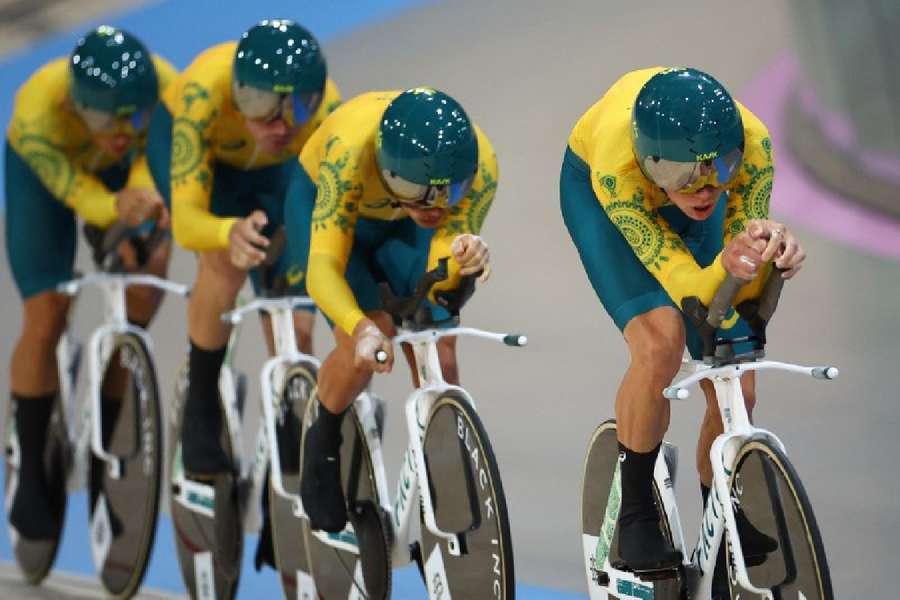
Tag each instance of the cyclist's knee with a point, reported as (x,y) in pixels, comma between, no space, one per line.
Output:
(656,344)
(217,267)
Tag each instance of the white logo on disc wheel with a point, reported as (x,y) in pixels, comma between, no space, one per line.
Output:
(436,576)
(306,587)
(204,578)
(101,532)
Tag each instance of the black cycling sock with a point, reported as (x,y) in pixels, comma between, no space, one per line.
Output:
(704,493)
(320,486)
(636,470)
(31,513)
(202,423)
(329,424)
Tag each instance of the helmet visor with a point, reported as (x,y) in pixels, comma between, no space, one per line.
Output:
(109,123)
(424,195)
(260,105)
(688,177)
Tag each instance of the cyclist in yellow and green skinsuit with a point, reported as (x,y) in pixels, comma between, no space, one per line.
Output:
(665,189)
(223,147)
(399,180)
(74,149)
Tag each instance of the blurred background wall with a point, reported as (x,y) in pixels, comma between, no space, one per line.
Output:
(844,108)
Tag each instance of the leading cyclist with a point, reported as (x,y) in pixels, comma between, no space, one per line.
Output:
(74,148)
(665,189)
(399,180)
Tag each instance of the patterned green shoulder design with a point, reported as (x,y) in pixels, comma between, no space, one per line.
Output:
(50,164)
(755,191)
(637,223)
(333,185)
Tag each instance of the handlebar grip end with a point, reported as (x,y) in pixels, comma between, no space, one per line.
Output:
(515,339)
(825,372)
(381,357)
(676,393)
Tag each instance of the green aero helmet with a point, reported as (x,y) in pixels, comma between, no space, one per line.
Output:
(113,77)
(687,131)
(279,72)
(427,148)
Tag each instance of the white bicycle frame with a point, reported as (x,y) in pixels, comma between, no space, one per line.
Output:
(200,497)
(85,430)
(402,510)
(88,428)
(718,514)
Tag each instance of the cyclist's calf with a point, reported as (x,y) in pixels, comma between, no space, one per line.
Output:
(34,357)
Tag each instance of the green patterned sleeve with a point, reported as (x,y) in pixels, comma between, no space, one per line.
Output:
(76,187)
(749,196)
(193,225)
(468,216)
(626,201)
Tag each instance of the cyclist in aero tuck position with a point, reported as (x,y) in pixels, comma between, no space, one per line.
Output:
(223,146)
(665,189)
(74,148)
(399,180)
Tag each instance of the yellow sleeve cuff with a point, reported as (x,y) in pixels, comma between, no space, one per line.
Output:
(225,226)
(349,323)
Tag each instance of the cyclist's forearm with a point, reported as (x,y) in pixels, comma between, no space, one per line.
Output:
(195,228)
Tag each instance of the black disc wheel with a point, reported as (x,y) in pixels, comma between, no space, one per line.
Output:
(601,497)
(767,489)
(206,515)
(287,529)
(35,557)
(360,567)
(123,511)
(468,500)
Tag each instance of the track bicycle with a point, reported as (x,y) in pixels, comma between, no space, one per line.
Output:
(210,518)
(113,442)
(449,512)
(751,475)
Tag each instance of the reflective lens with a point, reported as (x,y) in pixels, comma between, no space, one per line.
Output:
(404,190)
(426,195)
(260,105)
(689,177)
(108,123)
(256,104)
(304,106)
(459,190)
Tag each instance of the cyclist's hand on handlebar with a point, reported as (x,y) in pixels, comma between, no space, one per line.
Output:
(781,244)
(472,254)
(246,246)
(136,205)
(743,256)
(369,340)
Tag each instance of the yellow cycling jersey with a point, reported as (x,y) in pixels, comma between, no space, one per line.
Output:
(207,127)
(602,139)
(340,158)
(54,141)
